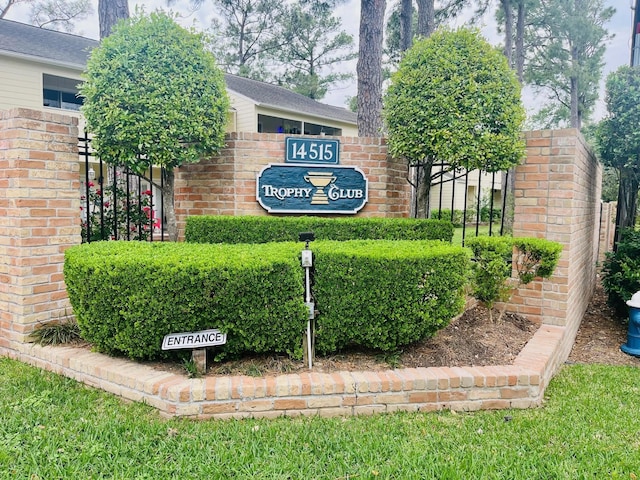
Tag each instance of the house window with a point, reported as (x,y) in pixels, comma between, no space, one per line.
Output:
(60,92)
(268,124)
(315,129)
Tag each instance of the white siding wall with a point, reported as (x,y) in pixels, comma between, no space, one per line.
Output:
(21,86)
(21,83)
(246,116)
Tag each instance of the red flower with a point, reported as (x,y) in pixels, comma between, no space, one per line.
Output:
(147,192)
(91,184)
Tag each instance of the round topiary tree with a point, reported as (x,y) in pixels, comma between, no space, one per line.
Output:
(454,99)
(154,96)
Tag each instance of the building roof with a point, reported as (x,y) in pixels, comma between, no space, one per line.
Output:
(267,95)
(40,44)
(63,49)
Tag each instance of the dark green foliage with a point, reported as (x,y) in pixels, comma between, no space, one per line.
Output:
(445,214)
(374,294)
(154,95)
(455,98)
(486,212)
(491,268)
(57,333)
(382,295)
(621,271)
(534,257)
(254,229)
(128,295)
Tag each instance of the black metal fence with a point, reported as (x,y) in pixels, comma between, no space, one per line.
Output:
(117,204)
(474,201)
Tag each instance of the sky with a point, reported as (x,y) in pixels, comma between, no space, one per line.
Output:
(618,50)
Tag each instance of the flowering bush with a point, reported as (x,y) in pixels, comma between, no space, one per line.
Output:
(115,215)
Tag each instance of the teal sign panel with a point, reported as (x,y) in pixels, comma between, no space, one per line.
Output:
(287,188)
(312,150)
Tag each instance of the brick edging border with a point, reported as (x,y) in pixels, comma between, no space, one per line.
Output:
(520,385)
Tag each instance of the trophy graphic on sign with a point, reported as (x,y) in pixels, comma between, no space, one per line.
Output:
(320,180)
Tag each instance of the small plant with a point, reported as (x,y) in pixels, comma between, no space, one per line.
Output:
(391,358)
(457,218)
(190,368)
(254,370)
(55,333)
(117,212)
(491,280)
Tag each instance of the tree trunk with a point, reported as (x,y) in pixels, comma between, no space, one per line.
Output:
(508,30)
(575,107)
(406,34)
(422,189)
(169,207)
(627,204)
(520,40)
(426,18)
(508,196)
(109,12)
(369,68)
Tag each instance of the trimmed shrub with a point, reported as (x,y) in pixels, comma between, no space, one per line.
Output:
(128,295)
(445,214)
(486,212)
(375,294)
(535,257)
(491,273)
(382,295)
(621,272)
(263,229)
(491,268)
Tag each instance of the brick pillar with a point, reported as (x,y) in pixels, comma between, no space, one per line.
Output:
(226,184)
(39,218)
(557,197)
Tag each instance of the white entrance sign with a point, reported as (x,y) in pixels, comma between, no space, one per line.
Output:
(205,338)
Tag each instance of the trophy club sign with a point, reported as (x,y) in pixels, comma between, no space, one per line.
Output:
(310,186)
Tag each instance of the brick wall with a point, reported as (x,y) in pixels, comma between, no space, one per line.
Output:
(226,184)
(39,217)
(557,197)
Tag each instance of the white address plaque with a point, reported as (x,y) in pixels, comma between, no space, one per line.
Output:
(205,338)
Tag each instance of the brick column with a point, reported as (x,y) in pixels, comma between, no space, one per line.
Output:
(557,197)
(39,218)
(226,184)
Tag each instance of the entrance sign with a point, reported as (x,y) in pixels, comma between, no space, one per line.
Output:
(312,150)
(287,188)
(204,338)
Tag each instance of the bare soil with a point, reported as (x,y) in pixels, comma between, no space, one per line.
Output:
(473,339)
(600,335)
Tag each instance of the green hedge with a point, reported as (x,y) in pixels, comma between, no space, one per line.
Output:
(383,295)
(263,229)
(621,271)
(128,295)
(375,294)
(494,261)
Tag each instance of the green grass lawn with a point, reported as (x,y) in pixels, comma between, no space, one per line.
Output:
(54,428)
